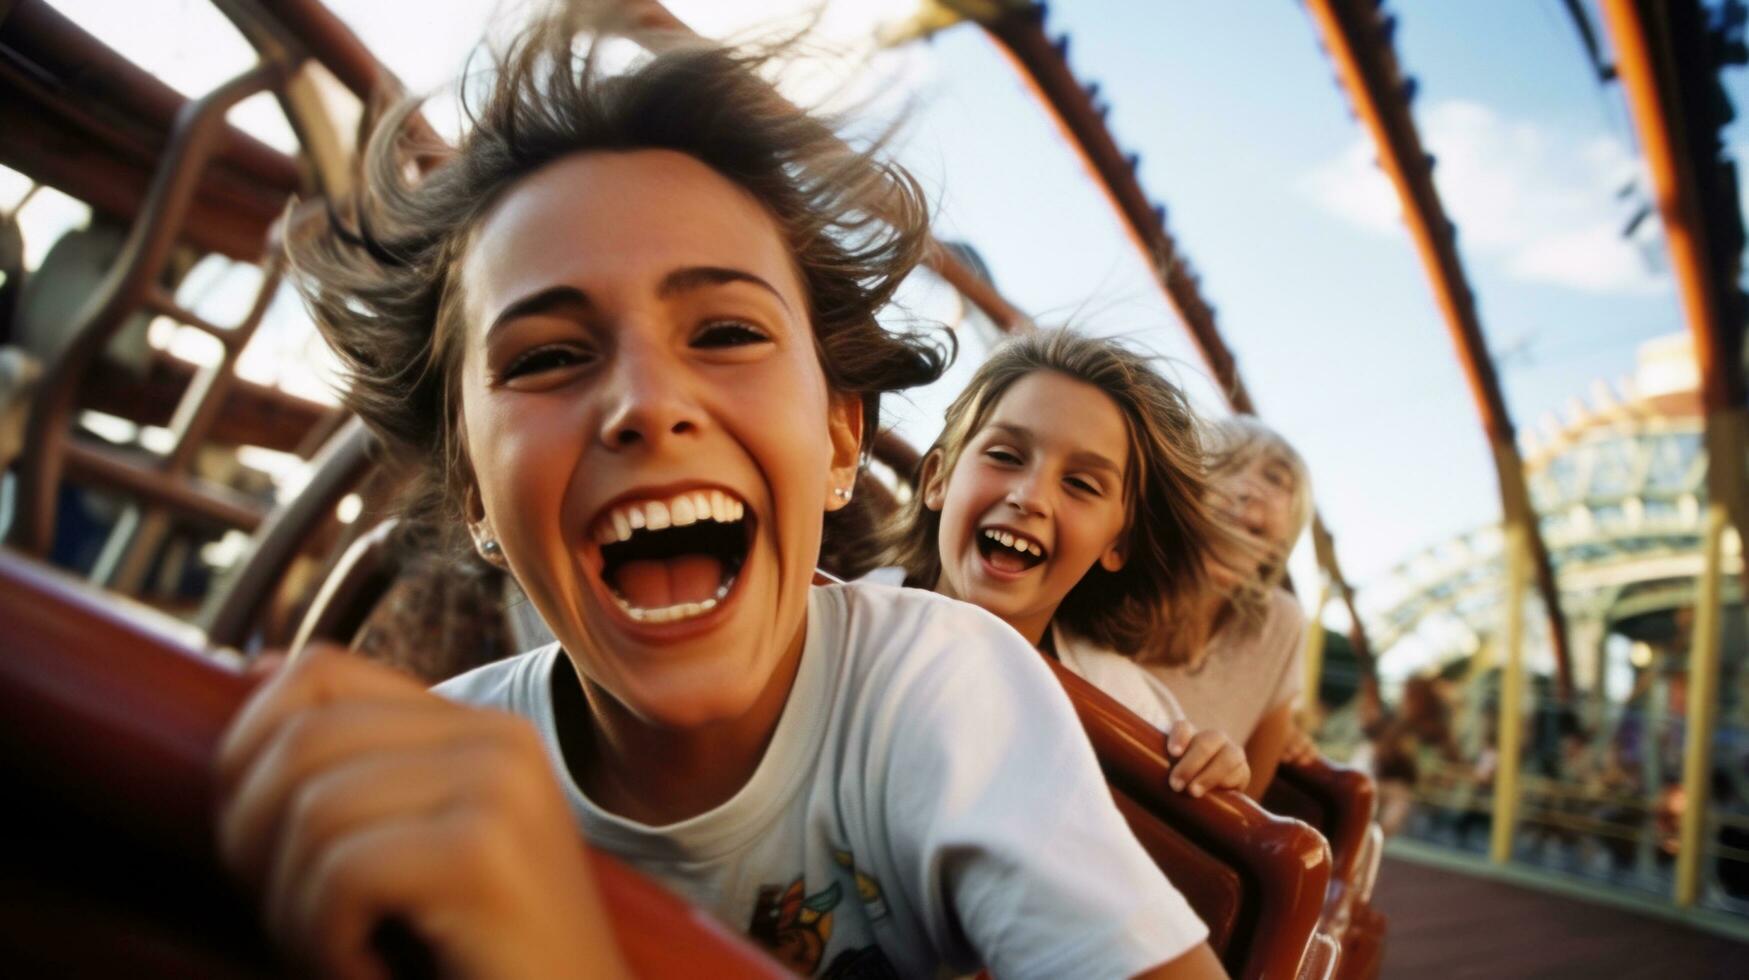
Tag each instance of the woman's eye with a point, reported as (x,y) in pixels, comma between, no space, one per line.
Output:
(729,333)
(546,359)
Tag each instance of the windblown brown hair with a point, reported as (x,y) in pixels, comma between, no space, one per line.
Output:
(386,296)
(1150,608)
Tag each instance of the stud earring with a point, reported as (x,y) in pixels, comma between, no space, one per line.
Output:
(842,493)
(490,548)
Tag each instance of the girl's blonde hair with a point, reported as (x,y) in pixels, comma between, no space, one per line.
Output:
(1149,607)
(1233,444)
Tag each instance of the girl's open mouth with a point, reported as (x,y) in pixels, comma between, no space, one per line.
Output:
(1009,551)
(675,557)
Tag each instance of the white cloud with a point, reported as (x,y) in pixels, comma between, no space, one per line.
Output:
(1539,201)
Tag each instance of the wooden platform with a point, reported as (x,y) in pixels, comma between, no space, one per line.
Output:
(1448,924)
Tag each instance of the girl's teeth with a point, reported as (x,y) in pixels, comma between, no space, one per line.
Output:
(676,612)
(682,511)
(1015,542)
(667,614)
(678,511)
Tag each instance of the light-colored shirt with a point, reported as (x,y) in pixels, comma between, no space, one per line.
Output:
(927,801)
(1248,671)
(1128,682)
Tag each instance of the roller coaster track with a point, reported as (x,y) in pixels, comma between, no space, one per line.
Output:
(1356,35)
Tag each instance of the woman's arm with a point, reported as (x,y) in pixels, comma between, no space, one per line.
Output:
(1198,964)
(1264,748)
(360,806)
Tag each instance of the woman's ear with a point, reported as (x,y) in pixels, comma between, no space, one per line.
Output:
(1114,557)
(486,542)
(844,425)
(932,480)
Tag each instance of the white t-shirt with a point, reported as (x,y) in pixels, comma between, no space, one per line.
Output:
(927,801)
(1128,682)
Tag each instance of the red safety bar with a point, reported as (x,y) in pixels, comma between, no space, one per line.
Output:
(111,718)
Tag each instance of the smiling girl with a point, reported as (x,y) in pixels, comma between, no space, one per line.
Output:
(1065,495)
(628,331)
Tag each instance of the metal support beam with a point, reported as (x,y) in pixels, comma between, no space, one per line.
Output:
(1353,35)
(1702,701)
(1324,544)
(1312,660)
(196,139)
(1510,736)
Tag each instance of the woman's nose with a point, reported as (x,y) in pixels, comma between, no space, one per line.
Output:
(647,403)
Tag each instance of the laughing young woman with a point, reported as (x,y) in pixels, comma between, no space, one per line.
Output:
(1066,496)
(629,333)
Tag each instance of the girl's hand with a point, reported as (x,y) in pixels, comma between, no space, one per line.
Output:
(1300,749)
(1205,760)
(366,811)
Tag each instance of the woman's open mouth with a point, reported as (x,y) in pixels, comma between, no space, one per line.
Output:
(1010,552)
(675,557)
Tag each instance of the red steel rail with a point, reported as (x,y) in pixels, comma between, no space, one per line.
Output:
(1021,35)
(1667,77)
(1355,39)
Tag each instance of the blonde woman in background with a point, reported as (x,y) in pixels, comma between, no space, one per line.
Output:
(1246,679)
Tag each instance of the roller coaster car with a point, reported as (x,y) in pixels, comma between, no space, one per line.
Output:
(112,717)
(112,713)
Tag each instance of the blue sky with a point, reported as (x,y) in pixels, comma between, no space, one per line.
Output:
(1246,138)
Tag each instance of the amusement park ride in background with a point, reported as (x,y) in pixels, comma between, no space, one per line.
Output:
(111,705)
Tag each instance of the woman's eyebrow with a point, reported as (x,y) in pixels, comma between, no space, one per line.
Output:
(1095,461)
(549,300)
(700,276)
(1084,457)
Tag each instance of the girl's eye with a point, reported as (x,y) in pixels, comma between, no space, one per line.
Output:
(729,333)
(1085,486)
(1002,456)
(546,359)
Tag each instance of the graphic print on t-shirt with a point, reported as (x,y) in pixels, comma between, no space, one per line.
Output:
(797,927)
(868,889)
(794,925)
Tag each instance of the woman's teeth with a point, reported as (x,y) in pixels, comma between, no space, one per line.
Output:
(679,510)
(1023,545)
(676,612)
